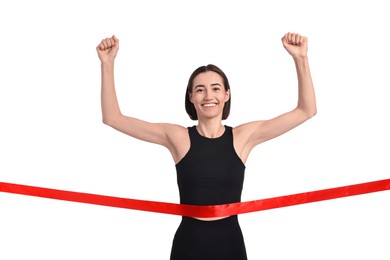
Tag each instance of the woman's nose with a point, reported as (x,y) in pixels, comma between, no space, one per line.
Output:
(208,95)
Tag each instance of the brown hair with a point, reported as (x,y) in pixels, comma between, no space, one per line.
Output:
(188,104)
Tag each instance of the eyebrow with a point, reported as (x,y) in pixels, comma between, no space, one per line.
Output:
(203,86)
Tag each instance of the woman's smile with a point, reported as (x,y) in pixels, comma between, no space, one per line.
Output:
(210,105)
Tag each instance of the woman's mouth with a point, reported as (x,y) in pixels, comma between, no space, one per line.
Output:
(209,105)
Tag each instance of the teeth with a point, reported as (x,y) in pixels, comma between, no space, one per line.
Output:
(209,105)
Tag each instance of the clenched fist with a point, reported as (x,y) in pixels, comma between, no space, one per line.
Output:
(107,49)
(295,44)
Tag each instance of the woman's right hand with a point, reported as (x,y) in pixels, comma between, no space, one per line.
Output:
(107,49)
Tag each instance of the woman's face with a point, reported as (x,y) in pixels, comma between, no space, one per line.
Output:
(209,95)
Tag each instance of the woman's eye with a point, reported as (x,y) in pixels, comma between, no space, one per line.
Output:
(216,89)
(199,90)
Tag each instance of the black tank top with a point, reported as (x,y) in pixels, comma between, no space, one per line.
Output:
(211,172)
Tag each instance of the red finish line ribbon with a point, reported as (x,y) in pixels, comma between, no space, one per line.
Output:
(200,211)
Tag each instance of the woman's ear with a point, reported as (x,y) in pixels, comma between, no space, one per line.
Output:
(227,95)
(190,96)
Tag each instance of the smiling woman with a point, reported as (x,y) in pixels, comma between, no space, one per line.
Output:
(210,157)
(207,80)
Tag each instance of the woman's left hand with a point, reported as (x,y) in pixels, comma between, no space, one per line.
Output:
(295,44)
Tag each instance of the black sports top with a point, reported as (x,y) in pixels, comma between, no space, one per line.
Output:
(211,172)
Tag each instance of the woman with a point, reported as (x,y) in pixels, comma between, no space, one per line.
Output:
(210,157)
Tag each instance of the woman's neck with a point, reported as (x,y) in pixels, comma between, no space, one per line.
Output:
(210,128)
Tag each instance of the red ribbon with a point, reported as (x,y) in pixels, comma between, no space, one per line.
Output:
(199,211)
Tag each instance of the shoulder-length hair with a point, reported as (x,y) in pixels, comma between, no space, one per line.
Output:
(188,104)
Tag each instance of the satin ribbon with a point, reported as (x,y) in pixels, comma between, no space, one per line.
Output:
(199,211)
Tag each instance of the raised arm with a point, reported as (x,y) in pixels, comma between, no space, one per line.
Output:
(159,133)
(251,134)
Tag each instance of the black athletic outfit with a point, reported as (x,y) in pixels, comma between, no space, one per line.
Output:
(211,173)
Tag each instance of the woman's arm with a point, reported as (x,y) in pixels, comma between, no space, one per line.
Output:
(158,133)
(253,133)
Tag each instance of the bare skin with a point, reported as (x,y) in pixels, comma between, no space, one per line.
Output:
(208,96)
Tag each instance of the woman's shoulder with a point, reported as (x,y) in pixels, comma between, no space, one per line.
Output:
(175,128)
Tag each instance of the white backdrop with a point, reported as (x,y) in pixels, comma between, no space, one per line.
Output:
(52,135)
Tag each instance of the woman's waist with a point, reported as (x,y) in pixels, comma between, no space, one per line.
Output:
(226,218)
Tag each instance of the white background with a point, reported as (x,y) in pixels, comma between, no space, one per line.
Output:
(52,135)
